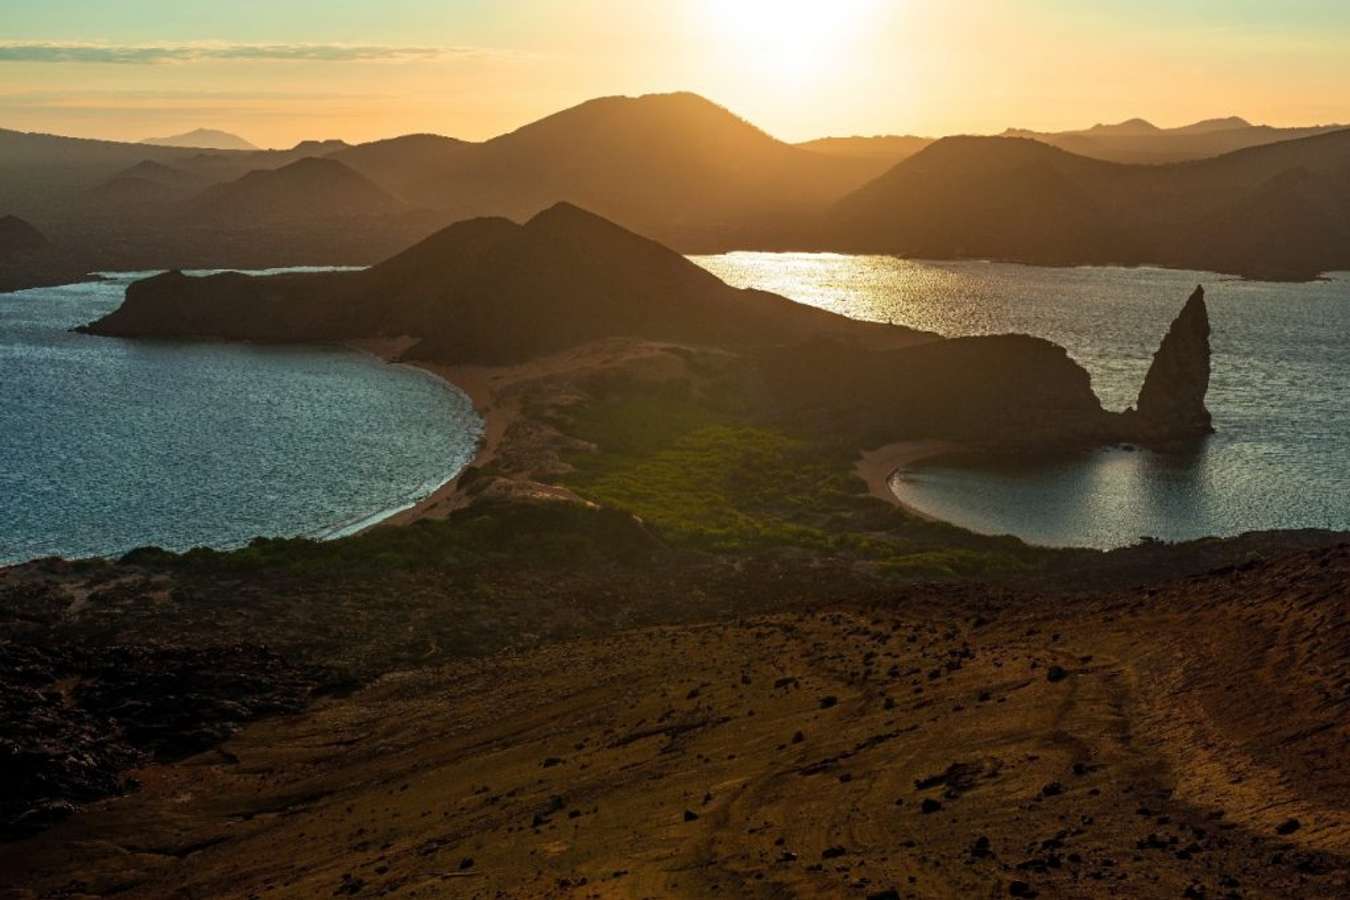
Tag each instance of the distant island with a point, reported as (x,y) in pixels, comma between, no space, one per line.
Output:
(691,174)
(1140,141)
(203,138)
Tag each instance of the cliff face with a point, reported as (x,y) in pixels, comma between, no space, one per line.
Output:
(1172,402)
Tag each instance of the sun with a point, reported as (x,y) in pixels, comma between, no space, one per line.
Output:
(788,38)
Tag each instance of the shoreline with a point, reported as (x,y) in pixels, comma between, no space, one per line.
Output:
(879,467)
(474,381)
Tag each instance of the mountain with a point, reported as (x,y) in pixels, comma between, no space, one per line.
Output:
(673,166)
(145,187)
(203,138)
(885,149)
(488,290)
(308,189)
(29,259)
(160,173)
(1140,141)
(1129,126)
(19,238)
(402,165)
(1002,198)
(1209,126)
(1274,211)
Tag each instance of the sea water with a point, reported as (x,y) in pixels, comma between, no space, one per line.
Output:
(108,444)
(1280,391)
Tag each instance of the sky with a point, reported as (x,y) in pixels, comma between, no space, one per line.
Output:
(280,71)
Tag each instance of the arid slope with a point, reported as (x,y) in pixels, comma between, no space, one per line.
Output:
(1187,740)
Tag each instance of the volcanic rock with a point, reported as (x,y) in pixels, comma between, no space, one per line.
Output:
(1172,402)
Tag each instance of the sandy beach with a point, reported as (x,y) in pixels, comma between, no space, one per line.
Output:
(481,384)
(877,467)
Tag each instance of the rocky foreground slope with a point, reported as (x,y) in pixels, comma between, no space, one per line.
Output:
(1182,740)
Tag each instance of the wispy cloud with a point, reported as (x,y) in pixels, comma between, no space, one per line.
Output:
(159,54)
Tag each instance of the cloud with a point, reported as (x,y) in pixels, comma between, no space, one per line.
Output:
(158,54)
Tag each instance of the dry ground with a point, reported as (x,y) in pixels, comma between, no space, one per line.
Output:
(1191,743)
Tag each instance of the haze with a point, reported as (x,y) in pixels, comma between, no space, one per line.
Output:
(279,72)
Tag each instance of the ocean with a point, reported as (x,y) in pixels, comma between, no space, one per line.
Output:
(1280,392)
(110,444)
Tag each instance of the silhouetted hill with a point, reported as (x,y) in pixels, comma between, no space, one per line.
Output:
(1001,198)
(19,238)
(203,138)
(29,259)
(310,189)
(1129,126)
(488,290)
(890,148)
(1139,141)
(402,165)
(159,173)
(1278,211)
(674,166)
(1208,126)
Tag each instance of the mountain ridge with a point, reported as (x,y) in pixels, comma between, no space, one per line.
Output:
(205,139)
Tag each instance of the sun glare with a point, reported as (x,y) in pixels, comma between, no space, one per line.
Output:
(789,38)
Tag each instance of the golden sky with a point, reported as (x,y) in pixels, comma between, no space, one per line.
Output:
(278,71)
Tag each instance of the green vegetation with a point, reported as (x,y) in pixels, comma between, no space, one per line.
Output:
(552,534)
(698,478)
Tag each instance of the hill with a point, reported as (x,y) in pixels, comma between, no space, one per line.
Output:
(310,189)
(402,165)
(673,166)
(488,290)
(205,139)
(1275,211)
(19,238)
(885,150)
(1140,141)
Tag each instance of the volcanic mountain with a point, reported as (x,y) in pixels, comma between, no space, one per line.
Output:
(673,166)
(1281,210)
(1140,141)
(310,189)
(203,138)
(19,238)
(488,290)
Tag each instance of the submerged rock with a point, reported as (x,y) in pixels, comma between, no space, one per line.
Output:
(1172,402)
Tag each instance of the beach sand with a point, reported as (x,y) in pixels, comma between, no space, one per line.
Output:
(482,384)
(497,393)
(877,467)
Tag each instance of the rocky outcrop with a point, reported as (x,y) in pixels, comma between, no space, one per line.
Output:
(1172,402)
